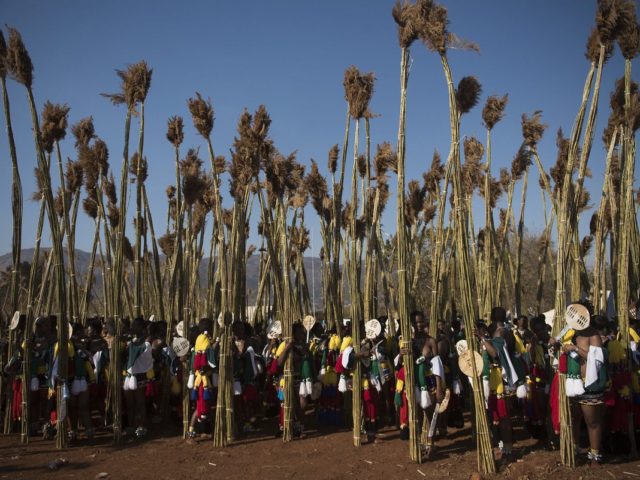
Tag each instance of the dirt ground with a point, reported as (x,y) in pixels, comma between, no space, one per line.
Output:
(319,455)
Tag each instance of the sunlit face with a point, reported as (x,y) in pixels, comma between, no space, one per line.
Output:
(522,323)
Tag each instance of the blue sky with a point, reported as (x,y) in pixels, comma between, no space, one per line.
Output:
(290,56)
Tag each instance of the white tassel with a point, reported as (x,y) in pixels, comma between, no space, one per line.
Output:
(342,384)
(568,387)
(457,387)
(425,401)
(574,387)
(521,391)
(131,383)
(309,387)
(35,384)
(485,386)
(375,382)
(322,372)
(237,388)
(302,391)
(191,382)
(578,386)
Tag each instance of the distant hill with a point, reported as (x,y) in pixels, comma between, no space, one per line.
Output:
(313,265)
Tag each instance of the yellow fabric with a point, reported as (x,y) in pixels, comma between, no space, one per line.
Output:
(71,352)
(495,380)
(346,343)
(176,387)
(330,377)
(90,373)
(200,379)
(280,349)
(519,345)
(617,352)
(568,336)
(634,335)
(399,386)
(538,355)
(334,342)
(384,365)
(202,343)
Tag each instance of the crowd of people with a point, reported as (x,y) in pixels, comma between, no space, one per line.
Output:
(520,367)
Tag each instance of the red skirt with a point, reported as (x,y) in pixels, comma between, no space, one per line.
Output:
(16,405)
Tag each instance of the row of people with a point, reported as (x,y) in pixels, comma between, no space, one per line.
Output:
(521,367)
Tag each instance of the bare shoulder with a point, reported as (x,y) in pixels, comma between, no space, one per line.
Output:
(595,340)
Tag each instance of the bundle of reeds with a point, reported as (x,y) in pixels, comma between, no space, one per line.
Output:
(16,210)
(135,83)
(405,16)
(358,89)
(20,68)
(432,21)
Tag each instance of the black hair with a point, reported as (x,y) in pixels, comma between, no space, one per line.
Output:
(110,326)
(296,328)
(138,324)
(158,329)
(205,325)
(192,334)
(77,327)
(600,323)
(537,321)
(498,314)
(587,304)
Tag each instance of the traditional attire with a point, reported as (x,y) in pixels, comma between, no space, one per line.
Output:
(330,398)
(502,377)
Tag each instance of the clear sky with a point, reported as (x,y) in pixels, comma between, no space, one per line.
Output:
(290,56)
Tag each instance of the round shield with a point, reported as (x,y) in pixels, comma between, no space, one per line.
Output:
(14,321)
(275,329)
(372,329)
(465,365)
(577,316)
(180,329)
(462,346)
(180,346)
(308,322)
